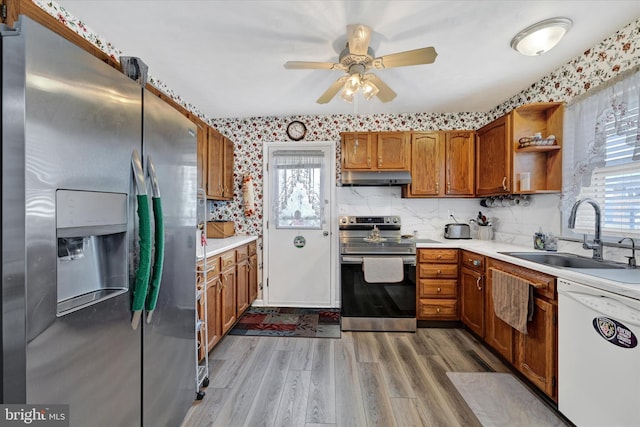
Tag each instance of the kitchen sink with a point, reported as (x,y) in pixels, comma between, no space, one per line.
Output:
(566,260)
(426,241)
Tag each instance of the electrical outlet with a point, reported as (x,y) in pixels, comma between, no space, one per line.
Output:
(450,213)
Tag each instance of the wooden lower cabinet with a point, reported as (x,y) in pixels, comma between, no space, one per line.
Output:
(228,298)
(497,334)
(472,300)
(245,276)
(230,289)
(253,278)
(536,351)
(214,324)
(437,284)
(242,286)
(535,354)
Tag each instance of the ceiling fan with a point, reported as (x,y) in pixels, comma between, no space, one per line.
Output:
(356,59)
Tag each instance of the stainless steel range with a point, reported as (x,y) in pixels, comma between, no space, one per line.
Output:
(377,274)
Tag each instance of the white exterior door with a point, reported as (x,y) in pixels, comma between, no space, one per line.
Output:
(299,245)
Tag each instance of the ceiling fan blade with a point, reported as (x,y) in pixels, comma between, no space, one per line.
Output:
(332,91)
(307,65)
(426,55)
(385,93)
(358,38)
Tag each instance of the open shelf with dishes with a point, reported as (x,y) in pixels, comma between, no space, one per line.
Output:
(539,127)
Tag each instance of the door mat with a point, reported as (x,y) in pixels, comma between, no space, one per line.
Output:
(289,322)
(499,399)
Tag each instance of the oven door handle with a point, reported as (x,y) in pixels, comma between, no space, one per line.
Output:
(359,260)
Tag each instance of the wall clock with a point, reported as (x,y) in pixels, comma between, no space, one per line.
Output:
(296,130)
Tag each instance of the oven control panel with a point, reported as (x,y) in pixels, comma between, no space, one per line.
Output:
(369,220)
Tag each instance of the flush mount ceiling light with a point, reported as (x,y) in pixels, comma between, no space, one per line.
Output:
(541,37)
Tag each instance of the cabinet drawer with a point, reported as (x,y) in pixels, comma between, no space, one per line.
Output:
(227,259)
(438,255)
(473,261)
(429,288)
(438,271)
(252,248)
(438,309)
(213,265)
(242,253)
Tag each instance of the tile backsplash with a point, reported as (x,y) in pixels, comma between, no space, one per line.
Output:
(513,224)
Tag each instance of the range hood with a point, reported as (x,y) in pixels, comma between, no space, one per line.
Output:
(376,178)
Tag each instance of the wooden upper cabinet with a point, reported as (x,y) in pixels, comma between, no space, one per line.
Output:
(219,166)
(357,151)
(215,157)
(227,170)
(375,151)
(426,160)
(459,163)
(441,164)
(392,151)
(500,159)
(493,158)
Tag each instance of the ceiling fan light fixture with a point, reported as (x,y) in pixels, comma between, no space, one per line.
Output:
(353,83)
(369,90)
(541,37)
(346,95)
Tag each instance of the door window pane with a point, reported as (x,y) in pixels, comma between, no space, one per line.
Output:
(297,188)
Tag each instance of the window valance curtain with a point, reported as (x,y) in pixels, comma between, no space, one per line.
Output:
(601,131)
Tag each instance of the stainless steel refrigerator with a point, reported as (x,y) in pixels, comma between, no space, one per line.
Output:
(74,252)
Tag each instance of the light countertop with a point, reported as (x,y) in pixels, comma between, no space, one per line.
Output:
(217,246)
(493,248)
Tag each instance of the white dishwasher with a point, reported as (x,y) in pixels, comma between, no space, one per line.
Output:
(598,356)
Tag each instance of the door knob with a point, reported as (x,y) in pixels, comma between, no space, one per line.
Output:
(325,233)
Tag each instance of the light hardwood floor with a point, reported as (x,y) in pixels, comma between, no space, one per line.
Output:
(363,379)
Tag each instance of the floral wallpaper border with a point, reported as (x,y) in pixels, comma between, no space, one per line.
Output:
(614,55)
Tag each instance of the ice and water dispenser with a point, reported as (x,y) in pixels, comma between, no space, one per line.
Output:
(92,260)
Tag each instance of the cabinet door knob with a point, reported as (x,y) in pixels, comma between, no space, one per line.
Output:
(438,310)
(504,184)
(439,272)
(439,257)
(478,280)
(439,290)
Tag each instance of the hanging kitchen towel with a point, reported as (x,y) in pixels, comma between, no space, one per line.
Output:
(383,270)
(512,299)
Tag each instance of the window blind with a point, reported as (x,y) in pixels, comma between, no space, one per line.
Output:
(616,186)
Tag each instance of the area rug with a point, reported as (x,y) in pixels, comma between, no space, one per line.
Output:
(289,322)
(500,400)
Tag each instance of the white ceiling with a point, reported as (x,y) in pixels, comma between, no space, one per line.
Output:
(226,56)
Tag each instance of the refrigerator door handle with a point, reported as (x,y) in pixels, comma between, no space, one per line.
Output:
(144,232)
(158,261)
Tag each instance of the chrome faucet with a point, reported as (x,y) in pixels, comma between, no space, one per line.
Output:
(632,258)
(596,245)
